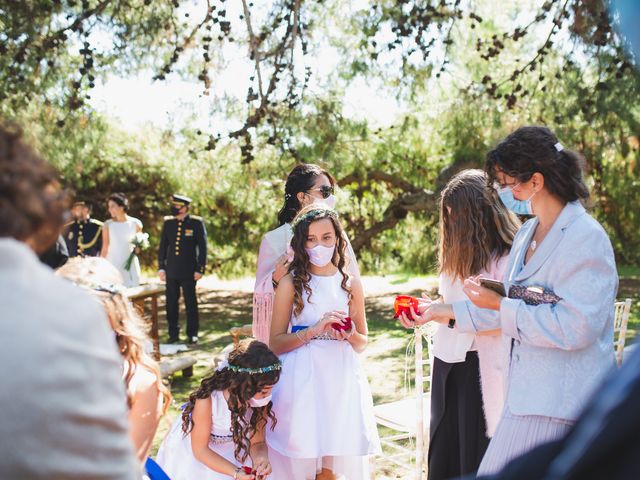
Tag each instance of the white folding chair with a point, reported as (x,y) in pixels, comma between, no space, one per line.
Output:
(620,322)
(409,418)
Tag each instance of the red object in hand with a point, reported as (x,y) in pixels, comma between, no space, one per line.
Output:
(346,327)
(403,304)
(248,470)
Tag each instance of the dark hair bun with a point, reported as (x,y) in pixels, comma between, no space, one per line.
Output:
(536,149)
(120,199)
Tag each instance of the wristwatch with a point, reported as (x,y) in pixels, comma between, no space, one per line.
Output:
(452,322)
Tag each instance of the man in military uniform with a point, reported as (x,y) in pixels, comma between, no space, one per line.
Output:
(182,258)
(84,234)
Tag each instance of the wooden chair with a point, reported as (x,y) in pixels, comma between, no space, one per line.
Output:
(620,322)
(237,332)
(409,418)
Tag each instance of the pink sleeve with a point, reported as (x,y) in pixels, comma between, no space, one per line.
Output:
(263,292)
(498,267)
(353,262)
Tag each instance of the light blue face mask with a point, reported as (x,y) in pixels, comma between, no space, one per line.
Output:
(520,207)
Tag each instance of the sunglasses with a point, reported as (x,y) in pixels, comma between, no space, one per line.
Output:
(325,190)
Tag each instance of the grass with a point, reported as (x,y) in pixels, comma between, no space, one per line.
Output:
(227,304)
(383,359)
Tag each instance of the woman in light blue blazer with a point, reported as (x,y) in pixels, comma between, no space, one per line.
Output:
(562,339)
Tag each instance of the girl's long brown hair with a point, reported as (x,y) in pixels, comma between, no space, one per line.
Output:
(299,267)
(99,275)
(475,226)
(241,386)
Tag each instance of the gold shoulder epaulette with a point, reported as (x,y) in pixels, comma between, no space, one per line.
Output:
(195,217)
(169,217)
(97,222)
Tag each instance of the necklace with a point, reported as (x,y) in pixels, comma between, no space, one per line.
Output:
(534,244)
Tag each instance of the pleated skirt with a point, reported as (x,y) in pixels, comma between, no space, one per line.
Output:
(518,434)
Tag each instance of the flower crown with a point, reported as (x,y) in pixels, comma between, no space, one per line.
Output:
(254,371)
(100,287)
(312,213)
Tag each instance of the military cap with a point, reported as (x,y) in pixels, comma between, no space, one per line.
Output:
(82,203)
(181,200)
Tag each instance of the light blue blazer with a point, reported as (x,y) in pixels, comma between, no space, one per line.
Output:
(559,353)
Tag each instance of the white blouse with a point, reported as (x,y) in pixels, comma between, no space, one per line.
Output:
(450,345)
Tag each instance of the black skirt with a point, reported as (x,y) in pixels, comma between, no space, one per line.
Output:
(458,428)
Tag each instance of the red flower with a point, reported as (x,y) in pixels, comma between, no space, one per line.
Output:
(403,303)
(346,326)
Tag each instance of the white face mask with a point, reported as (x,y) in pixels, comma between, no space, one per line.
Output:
(259,402)
(320,255)
(330,201)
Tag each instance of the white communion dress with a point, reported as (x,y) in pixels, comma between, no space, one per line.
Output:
(322,403)
(175,455)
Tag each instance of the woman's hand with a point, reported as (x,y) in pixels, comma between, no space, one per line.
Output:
(281,269)
(416,318)
(428,312)
(481,297)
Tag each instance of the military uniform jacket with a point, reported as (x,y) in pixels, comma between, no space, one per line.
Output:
(183,247)
(84,238)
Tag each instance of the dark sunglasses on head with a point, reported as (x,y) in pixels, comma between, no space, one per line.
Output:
(325,190)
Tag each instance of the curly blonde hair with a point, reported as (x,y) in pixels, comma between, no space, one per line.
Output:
(105,282)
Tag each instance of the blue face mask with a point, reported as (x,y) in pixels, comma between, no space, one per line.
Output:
(521,207)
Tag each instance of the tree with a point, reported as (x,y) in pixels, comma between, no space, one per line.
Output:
(561,64)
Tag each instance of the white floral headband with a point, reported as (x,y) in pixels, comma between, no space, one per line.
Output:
(312,214)
(251,371)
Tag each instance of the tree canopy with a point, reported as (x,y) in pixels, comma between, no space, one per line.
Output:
(462,73)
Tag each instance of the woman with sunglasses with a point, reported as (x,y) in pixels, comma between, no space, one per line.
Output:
(561,282)
(306,184)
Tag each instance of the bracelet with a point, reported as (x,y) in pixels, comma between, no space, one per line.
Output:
(300,338)
(274,283)
(235,474)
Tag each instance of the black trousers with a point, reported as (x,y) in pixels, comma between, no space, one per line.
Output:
(188,286)
(458,436)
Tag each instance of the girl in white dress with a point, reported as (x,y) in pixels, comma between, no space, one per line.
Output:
(224,422)
(326,428)
(306,184)
(117,234)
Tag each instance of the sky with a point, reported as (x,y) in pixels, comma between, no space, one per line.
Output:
(136,100)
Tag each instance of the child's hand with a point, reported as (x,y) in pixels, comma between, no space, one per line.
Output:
(242,475)
(325,322)
(262,467)
(343,334)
